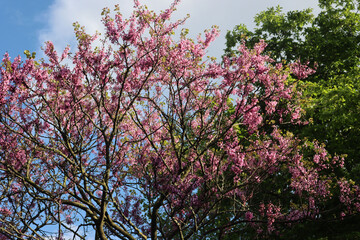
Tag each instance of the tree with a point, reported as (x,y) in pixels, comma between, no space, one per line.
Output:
(139,138)
(330,40)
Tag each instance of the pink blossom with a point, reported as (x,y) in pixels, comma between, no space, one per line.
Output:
(249,216)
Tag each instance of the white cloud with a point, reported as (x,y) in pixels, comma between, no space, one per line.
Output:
(63,13)
(204,13)
(68,234)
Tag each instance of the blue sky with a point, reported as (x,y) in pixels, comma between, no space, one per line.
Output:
(20,22)
(26,25)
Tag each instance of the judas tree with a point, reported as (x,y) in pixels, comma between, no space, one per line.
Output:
(136,136)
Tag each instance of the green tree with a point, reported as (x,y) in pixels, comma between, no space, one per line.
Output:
(330,41)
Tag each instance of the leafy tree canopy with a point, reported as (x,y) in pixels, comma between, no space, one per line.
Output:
(330,41)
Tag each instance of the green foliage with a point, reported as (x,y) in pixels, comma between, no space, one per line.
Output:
(335,112)
(330,41)
(283,32)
